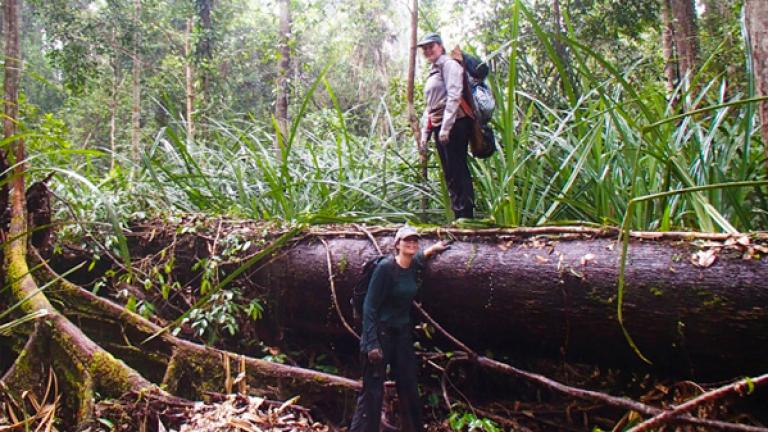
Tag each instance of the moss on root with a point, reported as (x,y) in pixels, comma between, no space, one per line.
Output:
(191,375)
(111,374)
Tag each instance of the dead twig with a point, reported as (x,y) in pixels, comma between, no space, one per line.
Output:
(334,297)
(580,393)
(737,387)
(370,237)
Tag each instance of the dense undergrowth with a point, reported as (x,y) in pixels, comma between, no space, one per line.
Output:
(579,157)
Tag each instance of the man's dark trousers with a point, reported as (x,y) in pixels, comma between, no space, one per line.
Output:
(397,347)
(453,157)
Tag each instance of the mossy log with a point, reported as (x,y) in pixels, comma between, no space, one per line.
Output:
(172,361)
(549,292)
(87,358)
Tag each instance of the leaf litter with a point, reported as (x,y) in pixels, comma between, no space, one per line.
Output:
(238,413)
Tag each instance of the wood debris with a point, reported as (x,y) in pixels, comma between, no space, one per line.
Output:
(237,413)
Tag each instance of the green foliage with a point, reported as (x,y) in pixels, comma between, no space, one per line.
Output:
(582,159)
(219,316)
(467,421)
(575,136)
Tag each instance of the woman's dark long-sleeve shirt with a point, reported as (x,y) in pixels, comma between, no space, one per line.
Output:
(388,301)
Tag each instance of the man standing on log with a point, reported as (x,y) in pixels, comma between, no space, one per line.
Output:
(386,338)
(451,126)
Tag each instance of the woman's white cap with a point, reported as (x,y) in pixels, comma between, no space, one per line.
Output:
(404,232)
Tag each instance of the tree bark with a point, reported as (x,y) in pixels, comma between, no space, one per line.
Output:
(668,47)
(685,35)
(515,295)
(756,12)
(136,85)
(283,70)
(204,50)
(412,117)
(114,64)
(12,79)
(557,25)
(185,368)
(189,83)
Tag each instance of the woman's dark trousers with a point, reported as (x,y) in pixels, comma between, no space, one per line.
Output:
(397,347)
(453,157)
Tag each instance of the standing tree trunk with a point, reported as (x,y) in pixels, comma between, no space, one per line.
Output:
(283,69)
(190,83)
(412,117)
(685,35)
(756,12)
(558,44)
(136,85)
(668,46)
(114,63)
(10,28)
(11,85)
(204,54)
(204,50)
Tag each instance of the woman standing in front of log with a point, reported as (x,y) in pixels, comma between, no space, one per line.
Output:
(387,339)
(451,126)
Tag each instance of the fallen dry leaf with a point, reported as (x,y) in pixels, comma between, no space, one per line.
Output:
(587,258)
(704,258)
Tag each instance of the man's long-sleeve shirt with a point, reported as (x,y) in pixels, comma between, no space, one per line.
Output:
(443,88)
(388,301)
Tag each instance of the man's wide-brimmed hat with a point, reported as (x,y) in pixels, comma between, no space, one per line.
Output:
(404,232)
(430,38)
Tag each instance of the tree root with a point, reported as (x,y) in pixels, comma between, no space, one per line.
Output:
(77,354)
(188,369)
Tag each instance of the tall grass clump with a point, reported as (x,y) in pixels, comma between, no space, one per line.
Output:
(319,172)
(583,157)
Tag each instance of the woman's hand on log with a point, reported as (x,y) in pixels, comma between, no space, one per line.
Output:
(437,248)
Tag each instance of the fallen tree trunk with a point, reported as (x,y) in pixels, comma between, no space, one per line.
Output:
(695,308)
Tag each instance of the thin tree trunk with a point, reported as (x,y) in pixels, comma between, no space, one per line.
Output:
(718,12)
(558,45)
(136,86)
(412,117)
(11,82)
(668,47)
(283,70)
(114,63)
(205,45)
(685,35)
(756,12)
(13,66)
(204,53)
(190,83)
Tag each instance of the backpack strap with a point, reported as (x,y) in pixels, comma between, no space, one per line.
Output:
(466,96)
